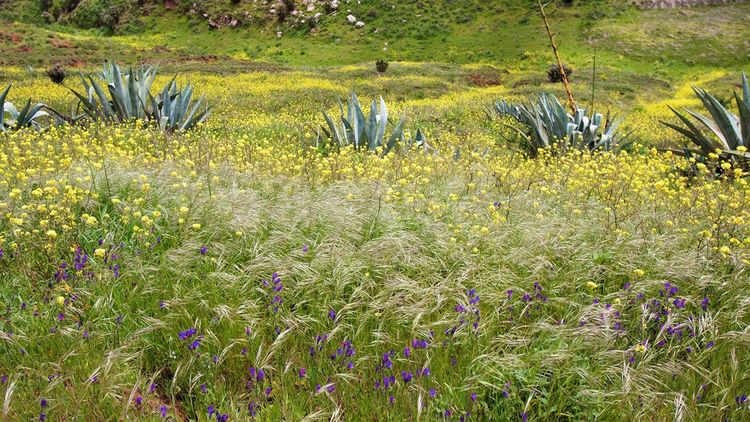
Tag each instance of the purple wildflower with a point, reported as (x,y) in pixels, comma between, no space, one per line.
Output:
(419,344)
(407,376)
(195,344)
(184,335)
(204,250)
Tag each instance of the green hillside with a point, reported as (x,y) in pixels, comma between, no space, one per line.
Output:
(457,31)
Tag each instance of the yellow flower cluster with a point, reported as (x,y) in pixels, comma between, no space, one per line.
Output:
(56,182)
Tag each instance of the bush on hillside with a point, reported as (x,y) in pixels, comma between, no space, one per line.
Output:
(554,74)
(56,74)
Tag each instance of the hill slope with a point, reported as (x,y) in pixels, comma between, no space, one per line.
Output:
(316,33)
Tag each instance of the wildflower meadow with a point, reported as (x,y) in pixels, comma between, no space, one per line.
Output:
(362,241)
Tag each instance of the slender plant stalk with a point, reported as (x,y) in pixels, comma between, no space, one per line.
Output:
(568,91)
(593,83)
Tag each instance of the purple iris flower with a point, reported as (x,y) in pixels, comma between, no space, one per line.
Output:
(195,344)
(184,335)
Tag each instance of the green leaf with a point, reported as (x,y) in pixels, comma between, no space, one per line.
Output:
(2,107)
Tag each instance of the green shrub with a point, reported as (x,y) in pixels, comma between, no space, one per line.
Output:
(105,14)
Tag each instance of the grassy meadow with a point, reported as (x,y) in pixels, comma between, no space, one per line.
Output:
(247,269)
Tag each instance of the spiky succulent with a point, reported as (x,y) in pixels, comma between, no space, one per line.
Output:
(111,71)
(723,133)
(12,119)
(367,132)
(171,109)
(128,97)
(121,99)
(546,123)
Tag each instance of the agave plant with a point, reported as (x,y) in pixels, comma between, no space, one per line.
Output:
(121,99)
(171,109)
(547,123)
(111,71)
(128,97)
(12,119)
(367,132)
(725,134)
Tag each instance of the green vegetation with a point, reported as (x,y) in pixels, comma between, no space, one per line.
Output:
(130,99)
(12,119)
(366,132)
(547,124)
(297,258)
(729,134)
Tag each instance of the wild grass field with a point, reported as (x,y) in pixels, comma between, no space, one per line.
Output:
(489,257)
